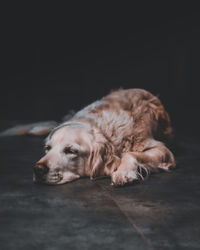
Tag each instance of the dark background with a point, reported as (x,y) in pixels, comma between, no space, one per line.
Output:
(57,58)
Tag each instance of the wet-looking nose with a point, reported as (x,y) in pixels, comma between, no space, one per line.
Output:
(40,169)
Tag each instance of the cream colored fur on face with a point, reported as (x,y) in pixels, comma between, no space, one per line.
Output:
(122,136)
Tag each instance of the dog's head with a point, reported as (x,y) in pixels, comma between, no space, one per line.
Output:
(68,149)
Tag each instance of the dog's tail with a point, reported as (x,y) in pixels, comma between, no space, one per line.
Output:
(36,128)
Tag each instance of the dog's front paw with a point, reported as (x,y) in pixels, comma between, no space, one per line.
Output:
(122,177)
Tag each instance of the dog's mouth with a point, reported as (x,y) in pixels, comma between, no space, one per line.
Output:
(51,179)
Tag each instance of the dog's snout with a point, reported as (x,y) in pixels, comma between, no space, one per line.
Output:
(40,169)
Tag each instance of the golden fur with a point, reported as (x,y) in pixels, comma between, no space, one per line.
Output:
(126,133)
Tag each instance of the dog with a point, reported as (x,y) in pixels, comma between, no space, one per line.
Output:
(122,136)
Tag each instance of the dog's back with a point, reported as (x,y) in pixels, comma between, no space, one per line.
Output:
(130,113)
(147,110)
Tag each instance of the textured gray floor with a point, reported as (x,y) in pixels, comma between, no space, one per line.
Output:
(161,213)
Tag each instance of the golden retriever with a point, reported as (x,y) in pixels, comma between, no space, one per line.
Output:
(121,136)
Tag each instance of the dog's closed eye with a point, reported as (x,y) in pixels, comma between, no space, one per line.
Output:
(69,150)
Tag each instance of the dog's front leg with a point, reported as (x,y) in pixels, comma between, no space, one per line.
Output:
(137,165)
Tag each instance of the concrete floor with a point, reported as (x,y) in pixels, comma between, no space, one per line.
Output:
(161,213)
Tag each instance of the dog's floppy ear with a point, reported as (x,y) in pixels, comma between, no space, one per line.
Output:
(96,160)
(101,157)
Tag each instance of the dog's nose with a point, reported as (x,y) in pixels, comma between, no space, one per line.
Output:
(40,169)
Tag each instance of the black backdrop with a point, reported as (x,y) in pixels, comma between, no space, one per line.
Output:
(57,58)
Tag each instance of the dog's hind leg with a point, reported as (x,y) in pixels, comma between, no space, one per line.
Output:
(138,165)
